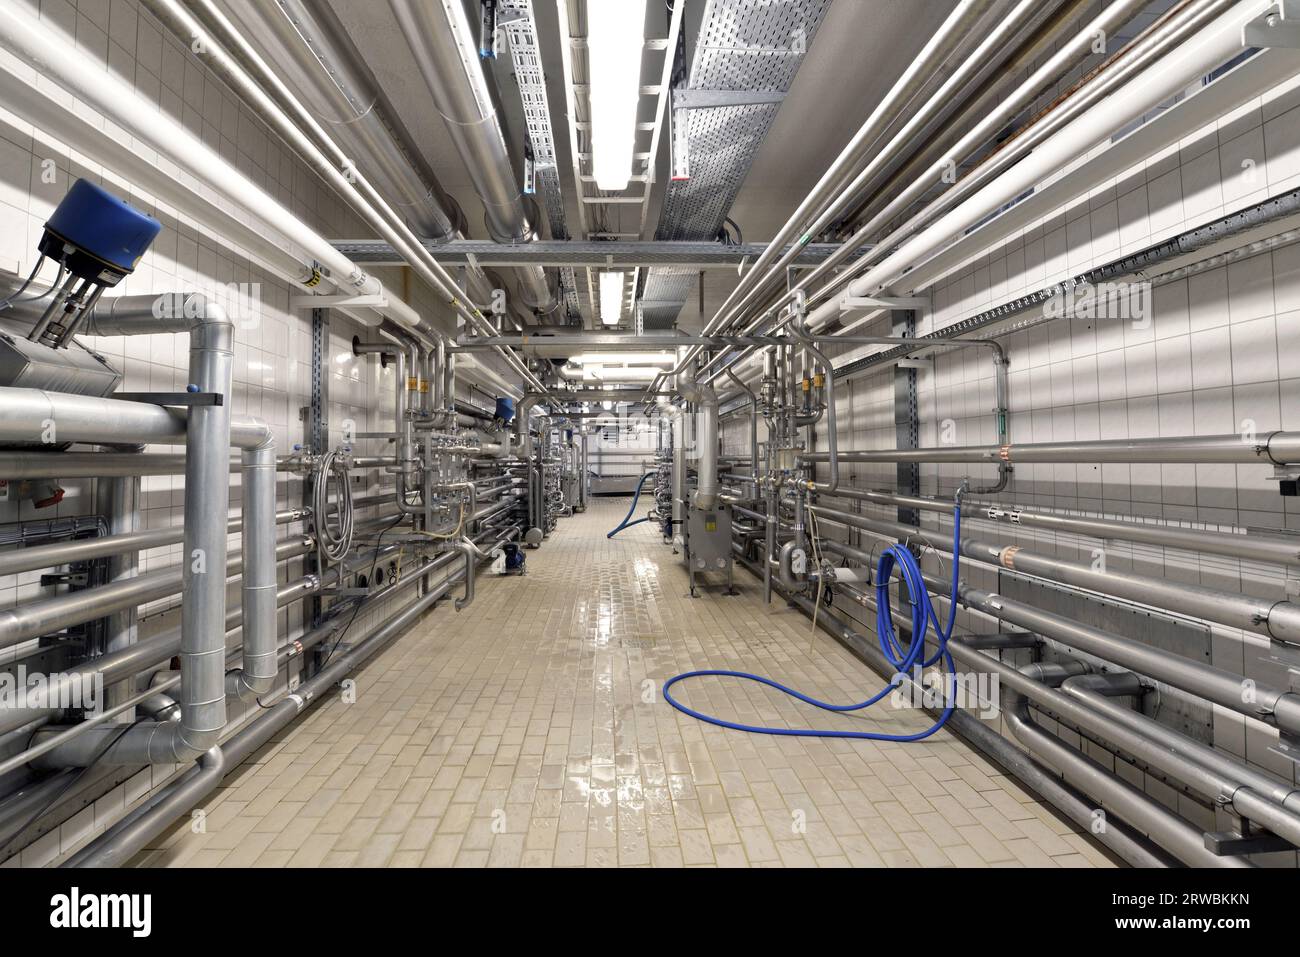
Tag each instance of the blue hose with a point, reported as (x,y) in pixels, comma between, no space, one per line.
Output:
(902,658)
(635,498)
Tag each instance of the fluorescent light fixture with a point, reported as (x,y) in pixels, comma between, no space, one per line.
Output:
(628,358)
(615,37)
(611,297)
(614,373)
(619,373)
(680,145)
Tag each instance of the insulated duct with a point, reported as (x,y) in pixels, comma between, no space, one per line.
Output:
(317,59)
(445,51)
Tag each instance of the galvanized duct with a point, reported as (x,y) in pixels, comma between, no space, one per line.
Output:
(316,58)
(442,42)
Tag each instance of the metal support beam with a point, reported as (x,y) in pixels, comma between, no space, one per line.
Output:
(597,254)
(906,418)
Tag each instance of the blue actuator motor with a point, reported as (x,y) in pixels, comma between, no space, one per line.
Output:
(505,408)
(98,239)
(96,235)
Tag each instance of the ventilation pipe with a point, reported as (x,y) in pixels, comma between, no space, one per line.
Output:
(306,41)
(50,52)
(258,589)
(58,62)
(444,47)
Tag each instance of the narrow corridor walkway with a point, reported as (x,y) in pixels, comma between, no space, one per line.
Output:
(530,730)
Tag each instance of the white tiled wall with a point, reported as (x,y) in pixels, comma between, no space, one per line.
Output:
(273,350)
(1216,357)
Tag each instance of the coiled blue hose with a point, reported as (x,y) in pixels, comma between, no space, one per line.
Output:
(635,498)
(902,658)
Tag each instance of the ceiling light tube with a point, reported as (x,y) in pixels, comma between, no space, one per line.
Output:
(611,298)
(628,358)
(615,37)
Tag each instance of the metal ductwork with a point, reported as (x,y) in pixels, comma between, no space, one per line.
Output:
(320,64)
(444,46)
(307,43)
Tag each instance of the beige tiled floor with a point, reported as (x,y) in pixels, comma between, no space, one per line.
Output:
(530,730)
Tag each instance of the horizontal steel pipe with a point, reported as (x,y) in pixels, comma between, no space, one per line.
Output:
(54,418)
(70,465)
(1164,827)
(1271,705)
(50,615)
(1079,711)
(124,839)
(85,549)
(1270,448)
(1237,775)
(1263,548)
(1275,618)
(1224,688)
(26,707)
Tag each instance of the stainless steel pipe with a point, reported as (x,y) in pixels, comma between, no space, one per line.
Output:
(84,549)
(1269,448)
(1263,548)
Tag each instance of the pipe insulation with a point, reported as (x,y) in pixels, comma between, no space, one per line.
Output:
(125,838)
(445,50)
(1206,49)
(53,58)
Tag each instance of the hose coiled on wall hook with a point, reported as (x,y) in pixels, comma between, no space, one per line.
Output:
(333,541)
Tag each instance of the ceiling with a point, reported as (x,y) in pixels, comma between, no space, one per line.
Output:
(860,49)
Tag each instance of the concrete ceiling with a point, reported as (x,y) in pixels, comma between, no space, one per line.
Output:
(861,48)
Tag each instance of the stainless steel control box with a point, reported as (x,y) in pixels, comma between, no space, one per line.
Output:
(708,542)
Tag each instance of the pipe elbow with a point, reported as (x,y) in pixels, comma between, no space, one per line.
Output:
(785,568)
(255,439)
(245,686)
(1053,673)
(1112,684)
(468,550)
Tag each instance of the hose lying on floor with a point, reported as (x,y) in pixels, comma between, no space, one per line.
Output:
(902,658)
(635,498)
